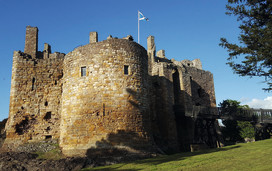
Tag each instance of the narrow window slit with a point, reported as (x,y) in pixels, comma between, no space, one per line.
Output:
(33,84)
(83,71)
(126,69)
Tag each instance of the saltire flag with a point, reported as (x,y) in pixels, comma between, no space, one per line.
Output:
(142,17)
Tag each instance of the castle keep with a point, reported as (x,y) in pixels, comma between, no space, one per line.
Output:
(112,93)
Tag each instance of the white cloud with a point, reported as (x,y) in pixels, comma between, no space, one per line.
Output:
(244,100)
(260,103)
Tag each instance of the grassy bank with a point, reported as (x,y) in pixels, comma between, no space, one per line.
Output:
(247,156)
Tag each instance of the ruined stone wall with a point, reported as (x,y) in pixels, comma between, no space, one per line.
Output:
(31,41)
(196,90)
(199,85)
(178,86)
(105,97)
(163,116)
(35,99)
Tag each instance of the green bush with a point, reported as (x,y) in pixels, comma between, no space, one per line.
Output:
(246,129)
(234,130)
(231,132)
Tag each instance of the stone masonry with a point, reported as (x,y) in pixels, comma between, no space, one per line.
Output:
(112,93)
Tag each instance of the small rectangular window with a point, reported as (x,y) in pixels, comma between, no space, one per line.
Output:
(83,71)
(48,137)
(126,69)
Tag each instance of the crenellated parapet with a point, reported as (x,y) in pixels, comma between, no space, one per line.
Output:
(31,46)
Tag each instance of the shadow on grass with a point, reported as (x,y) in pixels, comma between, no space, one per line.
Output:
(116,168)
(180,156)
(163,159)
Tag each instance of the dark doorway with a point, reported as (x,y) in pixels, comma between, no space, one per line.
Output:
(176,87)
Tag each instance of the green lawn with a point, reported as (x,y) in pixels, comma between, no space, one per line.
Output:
(244,156)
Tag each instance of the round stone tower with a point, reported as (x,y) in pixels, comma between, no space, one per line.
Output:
(105,97)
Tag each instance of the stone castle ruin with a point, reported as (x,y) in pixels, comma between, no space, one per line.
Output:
(112,93)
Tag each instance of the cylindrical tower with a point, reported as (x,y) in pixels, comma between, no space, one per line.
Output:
(105,97)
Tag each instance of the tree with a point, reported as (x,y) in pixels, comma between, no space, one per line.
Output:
(255,45)
(233,130)
(232,107)
(230,130)
(246,129)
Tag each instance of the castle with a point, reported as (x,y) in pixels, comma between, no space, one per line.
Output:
(112,93)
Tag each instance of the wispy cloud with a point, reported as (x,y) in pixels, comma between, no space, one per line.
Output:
(260,103)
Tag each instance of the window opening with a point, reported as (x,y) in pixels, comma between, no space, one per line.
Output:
(48,137)
(48,129)
(33,83)
(47,116)
(103,109)
(176,87)
(126,69)
(83,71)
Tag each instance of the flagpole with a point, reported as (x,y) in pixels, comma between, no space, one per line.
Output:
(138,28)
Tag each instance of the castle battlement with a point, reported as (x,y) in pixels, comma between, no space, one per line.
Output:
(31,46)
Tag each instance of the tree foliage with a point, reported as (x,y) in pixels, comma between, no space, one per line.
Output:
(255,39)
(231,132)
(234,130)
(232,107)
(246,129)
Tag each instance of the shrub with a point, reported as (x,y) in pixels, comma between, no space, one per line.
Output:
(246,129)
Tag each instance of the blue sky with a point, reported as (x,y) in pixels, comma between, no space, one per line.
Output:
(185,29)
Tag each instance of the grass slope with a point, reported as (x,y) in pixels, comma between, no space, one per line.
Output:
(250,156)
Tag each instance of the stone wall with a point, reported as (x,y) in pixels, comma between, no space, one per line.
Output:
(177,86)
(35,97)
(164,125)
(197,89)
(107,105)
(202,87)
(31,41)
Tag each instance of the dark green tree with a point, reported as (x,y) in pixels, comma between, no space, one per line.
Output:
(246,129)
(232,107)
(230,130)
(233,130)
(255,40)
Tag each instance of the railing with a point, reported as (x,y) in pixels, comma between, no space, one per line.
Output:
(202,111)
(256,115)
